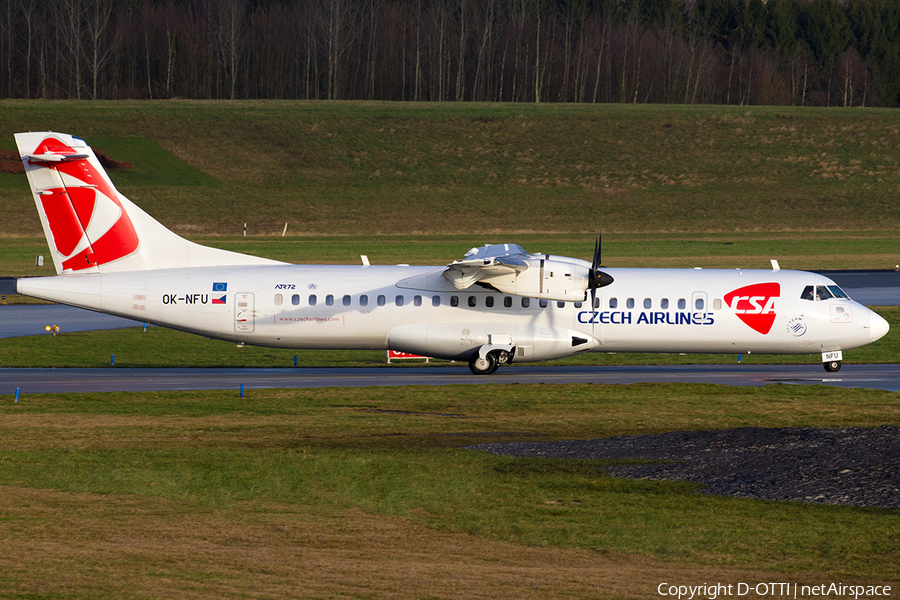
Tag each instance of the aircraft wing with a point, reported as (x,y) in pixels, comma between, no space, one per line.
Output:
(509,269)
(490,262)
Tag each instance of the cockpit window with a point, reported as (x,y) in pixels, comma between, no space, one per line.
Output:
(838,292)
(822,292)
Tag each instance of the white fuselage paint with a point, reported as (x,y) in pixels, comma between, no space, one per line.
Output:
(247,311)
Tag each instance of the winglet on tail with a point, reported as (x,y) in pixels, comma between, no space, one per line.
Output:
(91,227)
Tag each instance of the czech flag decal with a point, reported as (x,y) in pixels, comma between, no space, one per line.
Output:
(219,286)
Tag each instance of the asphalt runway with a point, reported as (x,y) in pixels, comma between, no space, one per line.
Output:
(42,381)
(31,319)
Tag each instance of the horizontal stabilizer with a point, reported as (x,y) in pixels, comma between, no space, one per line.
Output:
(48,157)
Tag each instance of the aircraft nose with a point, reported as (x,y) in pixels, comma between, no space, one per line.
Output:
(878,327)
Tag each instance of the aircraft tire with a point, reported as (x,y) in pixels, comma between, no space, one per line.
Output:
(832,366)
(484,366)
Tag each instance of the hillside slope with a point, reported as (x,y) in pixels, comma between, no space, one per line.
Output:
(355,167)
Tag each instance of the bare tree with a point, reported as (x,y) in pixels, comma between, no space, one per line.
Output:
(603,30)
(71,16)
(337,17)
(101,44)
(485,31)
(440,15)
(463,22)
(230,33)
(28,14)
(854,77)
(7,34)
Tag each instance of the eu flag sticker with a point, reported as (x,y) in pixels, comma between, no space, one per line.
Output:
(220,287)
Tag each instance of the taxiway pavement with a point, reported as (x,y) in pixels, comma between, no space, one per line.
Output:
(45,381)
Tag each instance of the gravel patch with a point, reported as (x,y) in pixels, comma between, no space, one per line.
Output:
(851,466)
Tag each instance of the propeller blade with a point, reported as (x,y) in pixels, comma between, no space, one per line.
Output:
(596,262)
(596,277)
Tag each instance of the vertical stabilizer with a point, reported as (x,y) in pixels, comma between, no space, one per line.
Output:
(91,227)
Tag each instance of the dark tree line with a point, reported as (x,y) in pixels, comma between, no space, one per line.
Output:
(791,52)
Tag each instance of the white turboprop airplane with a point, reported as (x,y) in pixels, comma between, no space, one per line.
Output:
(496,306)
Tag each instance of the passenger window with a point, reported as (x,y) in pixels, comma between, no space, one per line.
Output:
(473,301)
(417,300)
(717,304)
(295,299)
(648,303)
(435,300)
(578,305)
(489,301)
(454,300)
(613,302)
(380,300)
(560,304)
(398,300)
(507,302)
(596,303)
(629,303)
(346,300)
(363,300)
(682,303)
(329,300)
(278,299)
(698,304)
(526,302)
(664,303)
(312,300)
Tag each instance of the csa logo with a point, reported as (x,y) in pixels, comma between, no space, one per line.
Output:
(755,305)
(87,220)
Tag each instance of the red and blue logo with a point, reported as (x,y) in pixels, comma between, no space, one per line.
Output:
(219,287)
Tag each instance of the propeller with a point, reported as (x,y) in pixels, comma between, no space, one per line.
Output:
(596,277)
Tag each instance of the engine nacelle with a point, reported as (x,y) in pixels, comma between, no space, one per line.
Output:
(550,277)
(460,341)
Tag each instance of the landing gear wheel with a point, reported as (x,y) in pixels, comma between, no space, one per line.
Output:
(484,366)
(832,366)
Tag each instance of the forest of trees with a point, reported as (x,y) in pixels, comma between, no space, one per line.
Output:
(785,52)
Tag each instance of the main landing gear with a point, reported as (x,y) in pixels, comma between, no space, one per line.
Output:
(490,362)
(832,366)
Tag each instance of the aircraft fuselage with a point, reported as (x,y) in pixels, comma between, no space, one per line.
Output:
(414,309)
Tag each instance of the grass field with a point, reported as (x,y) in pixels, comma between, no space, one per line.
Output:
(806,251)
(361,493)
